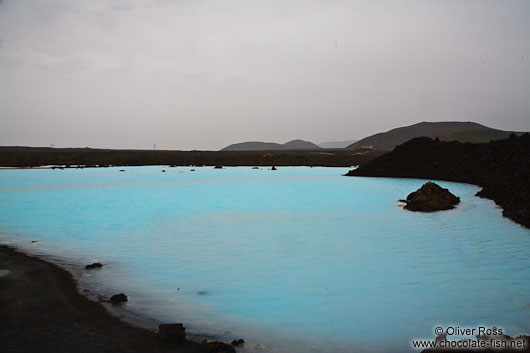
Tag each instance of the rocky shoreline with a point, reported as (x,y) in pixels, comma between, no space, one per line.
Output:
(41,310)
(501,168)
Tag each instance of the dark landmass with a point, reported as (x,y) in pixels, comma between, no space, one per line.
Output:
(501,168)
(42,311)
(264,146)
(430,198)
(40,156)
(336,144)
(445,131)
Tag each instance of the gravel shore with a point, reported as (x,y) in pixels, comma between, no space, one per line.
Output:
(41,310)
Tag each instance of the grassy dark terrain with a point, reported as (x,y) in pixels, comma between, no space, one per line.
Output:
(501,168)
(39,156)
(444,130)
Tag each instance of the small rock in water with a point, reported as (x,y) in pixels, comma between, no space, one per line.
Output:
(238,342)
(430,198)
(122,170)
(119,298)
(94,265)
(218,167)
(34,241)
(163,170)
(273,168)
(255,168)
(217,347)
(172,332)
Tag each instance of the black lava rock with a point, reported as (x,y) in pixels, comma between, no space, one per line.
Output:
(430,198)
(172,332)
(94,265)
(119,298)
(238,342)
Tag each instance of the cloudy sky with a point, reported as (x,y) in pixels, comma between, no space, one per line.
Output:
(201,74)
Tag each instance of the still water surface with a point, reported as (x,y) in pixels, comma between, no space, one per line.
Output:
(293,260)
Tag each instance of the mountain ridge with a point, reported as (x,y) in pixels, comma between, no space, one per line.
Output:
(337,144)
(296,144)
(444,130)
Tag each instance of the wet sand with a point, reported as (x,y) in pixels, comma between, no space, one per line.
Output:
(41,310)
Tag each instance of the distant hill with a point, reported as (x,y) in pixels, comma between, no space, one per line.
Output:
(261,146)
(300,145)
(336,144)
(445,131)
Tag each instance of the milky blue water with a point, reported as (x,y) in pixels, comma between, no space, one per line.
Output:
(293,260)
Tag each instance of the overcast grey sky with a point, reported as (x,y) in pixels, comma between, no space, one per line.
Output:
(197,74)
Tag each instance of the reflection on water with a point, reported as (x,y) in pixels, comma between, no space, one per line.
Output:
(290,260)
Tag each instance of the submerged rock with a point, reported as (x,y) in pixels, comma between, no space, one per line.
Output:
(172,332)
(429,198)
(94,265)
(119,298)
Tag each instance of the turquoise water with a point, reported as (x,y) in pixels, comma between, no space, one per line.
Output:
(293,260)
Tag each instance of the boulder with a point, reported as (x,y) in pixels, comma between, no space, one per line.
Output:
(119,298)
(94,265)
(429,198)
(172,332)
(273,168)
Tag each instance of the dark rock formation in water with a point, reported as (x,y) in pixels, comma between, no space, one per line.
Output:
(94,265)
(501,168)
(431,197)
(217,347)
(119,298)
(273,168)
(172,332)
(238,342)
